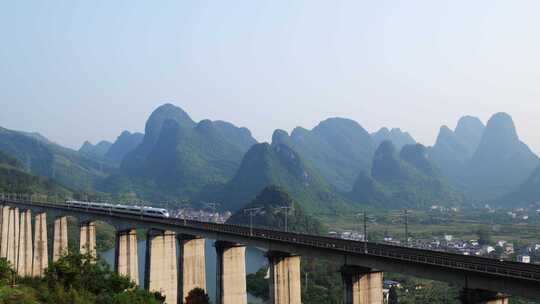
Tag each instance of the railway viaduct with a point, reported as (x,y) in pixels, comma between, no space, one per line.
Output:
(174,273)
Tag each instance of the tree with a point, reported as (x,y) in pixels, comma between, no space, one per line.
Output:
(73,279)
(6,272)
(484,237)
(197,296)
(81,279)
(257,284)
(392,296)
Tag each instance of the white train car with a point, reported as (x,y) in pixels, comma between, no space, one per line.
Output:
(139,210)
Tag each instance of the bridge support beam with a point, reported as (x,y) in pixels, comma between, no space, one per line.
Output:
(60,240)
(126,261)
(41,255)
(285,285)
(361,285)
(4,217)
(192,265)
(13,236)
(478,296)
(161,273)
(231,273)
(87,243)
(24,259)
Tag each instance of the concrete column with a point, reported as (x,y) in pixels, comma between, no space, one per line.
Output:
(87,242)
(24,260)
(41,255)
(4,228)
(13,236)
(284,278)
(231,273)
(362,286)
(192,266)
(161,273)
(126,261)
(60,241)
(478,296)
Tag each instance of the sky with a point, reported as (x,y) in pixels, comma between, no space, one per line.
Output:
(87,70)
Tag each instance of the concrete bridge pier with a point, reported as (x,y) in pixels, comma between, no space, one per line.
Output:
(60,240)
(478,296)
(25,254)
(87,244)
(13,236)
(231,273)
(161,272)
(4,228)
(362,285)
(285,283)
(126,261)
(41,255)
(192,265)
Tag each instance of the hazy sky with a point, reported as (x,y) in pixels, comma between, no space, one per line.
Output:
(77,70)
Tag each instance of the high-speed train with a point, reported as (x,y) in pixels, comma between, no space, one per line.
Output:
(139,210)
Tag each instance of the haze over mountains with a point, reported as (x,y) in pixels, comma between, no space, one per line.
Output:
(454,148)
(278,164)
(97,151)
(124,144)
(528,192)
(338,148)
(180,157)
(484,162)
(404,179)
(14,178)
(334,167)
(501,161)
(395,135)
(44,158)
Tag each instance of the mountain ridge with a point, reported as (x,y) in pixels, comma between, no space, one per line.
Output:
(179,157)
(395,135)
(403,180)
(337,148)
(124,143)
(95,151)
(501,162)
(46,159)
(277,164)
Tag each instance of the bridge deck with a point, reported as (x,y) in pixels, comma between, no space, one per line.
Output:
(468,271)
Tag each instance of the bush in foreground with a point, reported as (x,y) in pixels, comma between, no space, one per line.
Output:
(74,279)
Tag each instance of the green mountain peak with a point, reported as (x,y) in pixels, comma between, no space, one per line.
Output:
(277,164)
(404,180)
(183,157)
(337,148)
